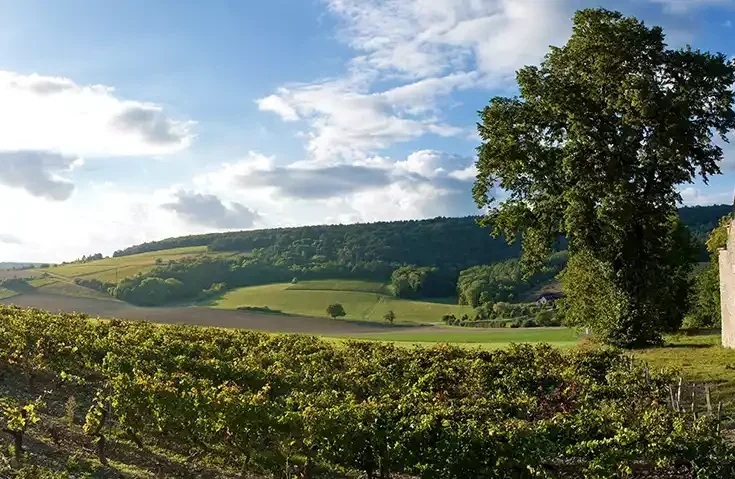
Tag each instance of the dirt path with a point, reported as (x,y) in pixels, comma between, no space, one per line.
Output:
(202,316)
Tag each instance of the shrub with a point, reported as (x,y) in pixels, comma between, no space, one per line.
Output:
(336,310)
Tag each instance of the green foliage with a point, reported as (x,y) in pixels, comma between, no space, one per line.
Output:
(17,417)
(95,284)
(546,318)
(336,310)
(263,401)
(504,281)
(389,317)
(593,150)
(415,282)
(705,305)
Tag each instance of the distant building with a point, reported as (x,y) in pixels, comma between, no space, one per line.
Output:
(547,299)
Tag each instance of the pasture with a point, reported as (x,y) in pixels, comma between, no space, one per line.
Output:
(362,300)
(113,270)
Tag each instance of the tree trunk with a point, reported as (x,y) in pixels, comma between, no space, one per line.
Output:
(101,442)
(384,469)
(18,444)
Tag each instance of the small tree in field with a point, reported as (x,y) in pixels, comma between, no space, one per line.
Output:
(389,317)
(336,310)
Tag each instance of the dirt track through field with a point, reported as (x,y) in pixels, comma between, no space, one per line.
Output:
(201,316)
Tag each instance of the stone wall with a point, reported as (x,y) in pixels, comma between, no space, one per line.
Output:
(727,289)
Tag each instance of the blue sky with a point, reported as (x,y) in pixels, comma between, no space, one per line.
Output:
(132,121)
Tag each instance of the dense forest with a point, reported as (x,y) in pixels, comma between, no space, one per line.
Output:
(440,242)
(426,258)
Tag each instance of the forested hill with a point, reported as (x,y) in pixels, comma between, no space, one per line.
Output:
(459,242)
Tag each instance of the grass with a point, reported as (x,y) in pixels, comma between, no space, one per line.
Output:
(112,269)
(495,339)
(361,302)
(341,285)
(6,293)
(699,359)
(66,288)
(41,281)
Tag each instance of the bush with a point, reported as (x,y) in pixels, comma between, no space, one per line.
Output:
(529,323)
(336,310)
(546,318)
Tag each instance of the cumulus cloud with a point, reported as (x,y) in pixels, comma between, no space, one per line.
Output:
(48,123)
(423,38)
(430,49)
(348,122)
(692,196)
(43,113)
(315,183)
(10,239)
(278,105)
(40,173)
(209,210)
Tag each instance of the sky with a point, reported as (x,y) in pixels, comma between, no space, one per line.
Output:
(126,122)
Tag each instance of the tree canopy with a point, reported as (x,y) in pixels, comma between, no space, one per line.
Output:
(593,149)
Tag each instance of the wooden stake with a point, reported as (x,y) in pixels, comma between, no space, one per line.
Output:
(678,396)
(709,400)
(671,396)
(719,412)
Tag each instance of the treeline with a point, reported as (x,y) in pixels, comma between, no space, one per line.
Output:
(447,243)
(442,242)
(268,404)
(197,278)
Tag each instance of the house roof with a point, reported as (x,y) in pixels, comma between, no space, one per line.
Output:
(550,295)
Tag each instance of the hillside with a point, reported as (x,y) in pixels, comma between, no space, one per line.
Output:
(448,257)
(437,242)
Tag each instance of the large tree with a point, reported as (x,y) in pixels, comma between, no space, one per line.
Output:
(593,148)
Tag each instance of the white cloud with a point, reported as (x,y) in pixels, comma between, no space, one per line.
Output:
(427,49)
(349,123)
(684,6)
(692,196)
(49,123)
(422,38)
(53,114)
(101,219)
(40,173)
(426,183)
(9,239)
(209,210)
(277,105)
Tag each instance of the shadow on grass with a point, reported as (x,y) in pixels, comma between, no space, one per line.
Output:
(687,346)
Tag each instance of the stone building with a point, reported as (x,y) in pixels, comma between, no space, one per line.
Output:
(727,288)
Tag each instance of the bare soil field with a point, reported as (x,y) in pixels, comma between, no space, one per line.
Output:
(18,273)
(104,308)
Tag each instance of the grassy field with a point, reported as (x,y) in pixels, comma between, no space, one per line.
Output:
(341,285)
(115,269)
(699,359)
(477,338)
(361,302)
(67,288)
(6,293)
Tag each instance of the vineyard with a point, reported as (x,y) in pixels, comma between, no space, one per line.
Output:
(237,402)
